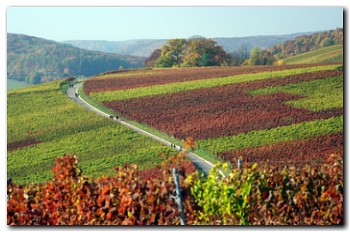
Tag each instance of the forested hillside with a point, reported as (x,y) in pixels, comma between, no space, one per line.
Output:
(144,47)
(306,43)
(37,60)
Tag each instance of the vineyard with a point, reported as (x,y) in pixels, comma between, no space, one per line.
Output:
(285,123)
(43,123)
(331,54)
(200,83)
(159,77)
(223,111)
(233,112)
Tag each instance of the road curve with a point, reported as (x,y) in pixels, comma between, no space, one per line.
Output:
(198,161)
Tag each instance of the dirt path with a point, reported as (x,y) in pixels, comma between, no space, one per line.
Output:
(198,161)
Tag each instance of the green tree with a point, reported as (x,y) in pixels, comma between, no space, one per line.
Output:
(36,79)
(260,57)
(327,42)
(172,53)
(254,56)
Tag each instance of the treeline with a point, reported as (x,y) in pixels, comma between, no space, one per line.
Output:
(199,51)
(305,43)
(37,60)
(195,51)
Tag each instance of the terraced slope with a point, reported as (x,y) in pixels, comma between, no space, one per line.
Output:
(228,114)
(326,55)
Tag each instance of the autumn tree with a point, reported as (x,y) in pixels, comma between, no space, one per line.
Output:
(172,53)
(151,61)
(204,52)
(196,51)
(305,43)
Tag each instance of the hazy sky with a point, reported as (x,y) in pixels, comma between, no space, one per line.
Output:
(124,23)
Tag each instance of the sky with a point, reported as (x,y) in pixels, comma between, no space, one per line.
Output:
(127,23)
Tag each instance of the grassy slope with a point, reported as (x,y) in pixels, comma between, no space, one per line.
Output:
(331,54)
(252,139)
(319,95)
(189,85)
(46,113)
(14,84)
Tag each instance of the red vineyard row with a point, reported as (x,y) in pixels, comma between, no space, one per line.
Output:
(298,153)
(159,77)
(222,111)
(22,144)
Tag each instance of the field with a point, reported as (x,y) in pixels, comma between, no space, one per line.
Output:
(272,119)
(43,123)
(172,87)
(233,112)
(326,55)
(14,84)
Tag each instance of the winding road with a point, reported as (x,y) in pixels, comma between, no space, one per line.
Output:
(198,161)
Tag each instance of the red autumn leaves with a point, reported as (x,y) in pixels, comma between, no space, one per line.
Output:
(224,110)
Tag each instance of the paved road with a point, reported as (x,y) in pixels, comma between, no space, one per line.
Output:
(198,161)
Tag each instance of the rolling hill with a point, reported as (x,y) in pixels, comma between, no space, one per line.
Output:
(331,54)
(144,47)
(35,60)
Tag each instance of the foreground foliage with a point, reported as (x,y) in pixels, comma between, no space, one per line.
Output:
(307,196)
(129,197)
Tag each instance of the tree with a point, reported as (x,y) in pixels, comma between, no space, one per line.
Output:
(172,53)
(204,52)
(36,79)
(327,42)
(254,56)
(151,61)
(237,57)
(259,57)
(196,51)
(243,52)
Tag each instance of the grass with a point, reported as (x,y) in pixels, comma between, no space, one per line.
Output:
(331,54)
(99,151)
(62,126)
(202,153)
(279,134)
(46,115)
(319,95)
(197,84)
(14,84)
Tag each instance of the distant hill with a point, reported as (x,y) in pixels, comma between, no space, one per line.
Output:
(35,60)
(144,47)
(325,55)
(141,47)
